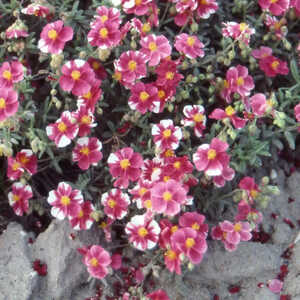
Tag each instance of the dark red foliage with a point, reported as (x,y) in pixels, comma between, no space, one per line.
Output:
(290,200)
(289,222)
(39,267)
(285,297)
(260,236)
(216,297)
(234,289)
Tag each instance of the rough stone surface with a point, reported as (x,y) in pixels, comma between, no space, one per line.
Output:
(17,278)
(282,234)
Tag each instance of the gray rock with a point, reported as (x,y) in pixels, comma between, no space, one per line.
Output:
(282,233)
(67,275)
(249,260)
(17,278)
(293,183)
(250,291)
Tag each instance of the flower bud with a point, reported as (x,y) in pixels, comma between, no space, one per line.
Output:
(194,27)
(103,54)
(265,180)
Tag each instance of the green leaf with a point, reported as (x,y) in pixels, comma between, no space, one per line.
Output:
(294,70)
(290,139)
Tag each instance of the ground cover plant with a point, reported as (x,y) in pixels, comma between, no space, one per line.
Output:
(148,119)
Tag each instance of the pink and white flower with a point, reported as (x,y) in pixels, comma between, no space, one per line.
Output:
(65,201)
(276,26)
(238,31)
(172,260)
(83,220)
(143,232)
(8,103)
(37,10)
(206,8)
(189,45)
(227,175)
(212,158)
(166,135)
(64,130)
(97,261)
(195,221)
(275,7)
(10,73)
(87,152)
(16,30)
(77,77)
(137,7)
(141,193)
(54,36)
(189,242)
(158,295)
(167,197)
(85,120)
(115,204)
(248,184)
(195,117)
(18,198)
(126,165)
(155,48)
(259,104)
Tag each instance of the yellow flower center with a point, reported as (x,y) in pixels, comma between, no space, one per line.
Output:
(229,111)
(86,120)
(169,153)
(16,198)
(274,1)
(190,41)
(117,76)
(95,64)
(177,165)
(243,26)
(240,81)
(148,204)
(196,226)
(167,133)
(203,2)
(104,18)
(124,163)
(75,74)
(138,2)
(146,27)
(275,64)
(62,127)
(152,46)
(142,232)
(52,34)
(94,262)
(237,227)
(80,214)
(88,95)
(166,178)
(198,118)
(16,166)
(224,235)
(161,94)
(170,254)
(2,103)
(174,228)
(142,191)
(167,196)
(103,32)
(170,75)
(189,242)
(132,65)
(65,200)
(253,193)
(85,150)
(7,75)
(144,96)
(111,203)
(211,154)
(23,159)
(103,225)
(226,84)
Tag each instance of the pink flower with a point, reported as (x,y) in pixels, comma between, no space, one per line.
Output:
(228,113)
(87,152)
(85,120)
(240,32)
(16,30)
(158,295)
(276,7)
(227,175)
(248,184)
(116,261)
(259,105)
(172,260)
(296,5)
(65,201)
(132,66)
(188,5)
(166,135)
(272,66)
(54,36)
(195,117)
(189,45)
(276,26)
(77,77)
(143,232)
(63,130)
(246,212)
(164,94)
(155,48)
(144,97)
(11,73)
(297,114)
(189,242)
(167,197)
(97,261)
(125,164)
(8,103)
(83,220)
(98,68)
(137,7)
(18,198)
(206,8)
(115,204)
(108,14)
(195,221)
(104,35)
(262,52)
(212,159)
(142,195)
(275,286)
(177,167)
(36,10)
